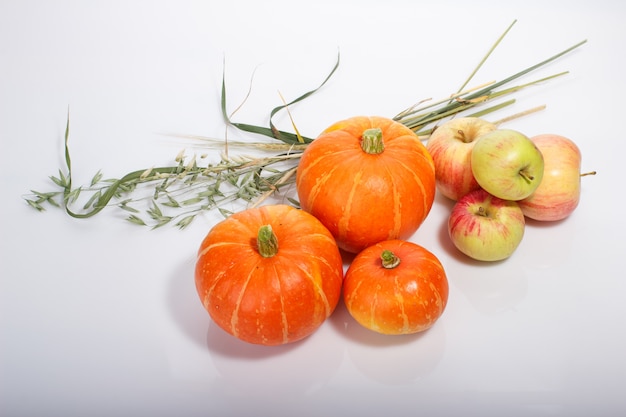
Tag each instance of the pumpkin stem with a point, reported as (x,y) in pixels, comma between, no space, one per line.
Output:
(372,141)
(266,241)
(389,259)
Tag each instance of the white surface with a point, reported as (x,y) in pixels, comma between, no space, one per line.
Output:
(100,317)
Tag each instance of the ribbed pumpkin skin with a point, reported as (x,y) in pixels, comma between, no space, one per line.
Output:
(406,299)
(366,198)
(276,300)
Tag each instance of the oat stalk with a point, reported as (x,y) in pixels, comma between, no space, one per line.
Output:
(176,194)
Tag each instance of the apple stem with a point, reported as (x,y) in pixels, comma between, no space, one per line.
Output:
(526,176)
(463,136)
(588,173)
(389,259)
(482,211)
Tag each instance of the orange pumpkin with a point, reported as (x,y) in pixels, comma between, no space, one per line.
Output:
(367,179)
(396,287)
(269,275)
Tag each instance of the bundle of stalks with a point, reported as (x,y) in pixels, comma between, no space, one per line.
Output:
(177,193)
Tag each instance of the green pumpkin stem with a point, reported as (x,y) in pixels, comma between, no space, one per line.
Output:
(267,243)
(372,141)
(389,259)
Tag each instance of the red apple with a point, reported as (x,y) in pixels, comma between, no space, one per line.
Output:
(451,145)
(559,192)
(485,227)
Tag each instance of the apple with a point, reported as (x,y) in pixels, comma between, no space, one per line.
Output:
(451,145)
(485,227)
(507,164)
(559,192)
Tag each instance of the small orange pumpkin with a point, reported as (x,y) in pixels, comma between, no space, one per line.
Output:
(269,275)
(367,179)
(396,287)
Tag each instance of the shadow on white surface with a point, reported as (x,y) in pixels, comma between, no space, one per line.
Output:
(185,306)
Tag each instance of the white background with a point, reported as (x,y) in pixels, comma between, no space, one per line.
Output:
(100,317)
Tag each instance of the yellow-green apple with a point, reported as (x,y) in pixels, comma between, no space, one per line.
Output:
(451,145)
(485,227)
(558,194)
(507,164)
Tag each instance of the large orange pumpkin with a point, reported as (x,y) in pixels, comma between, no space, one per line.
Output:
(396,287)
(367,179)
(269,275)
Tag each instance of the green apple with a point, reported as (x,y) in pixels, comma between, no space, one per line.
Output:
(507,164)
(485,227)
(558,194)
(451,145)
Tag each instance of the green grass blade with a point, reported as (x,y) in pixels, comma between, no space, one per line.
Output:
(289,139)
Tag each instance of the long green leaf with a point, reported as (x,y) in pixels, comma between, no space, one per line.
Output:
(272,131)
(289,138)
(68,160)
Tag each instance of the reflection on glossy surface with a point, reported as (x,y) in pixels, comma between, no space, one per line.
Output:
(548,244)
(390,359)
(291,369)
(489,288)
